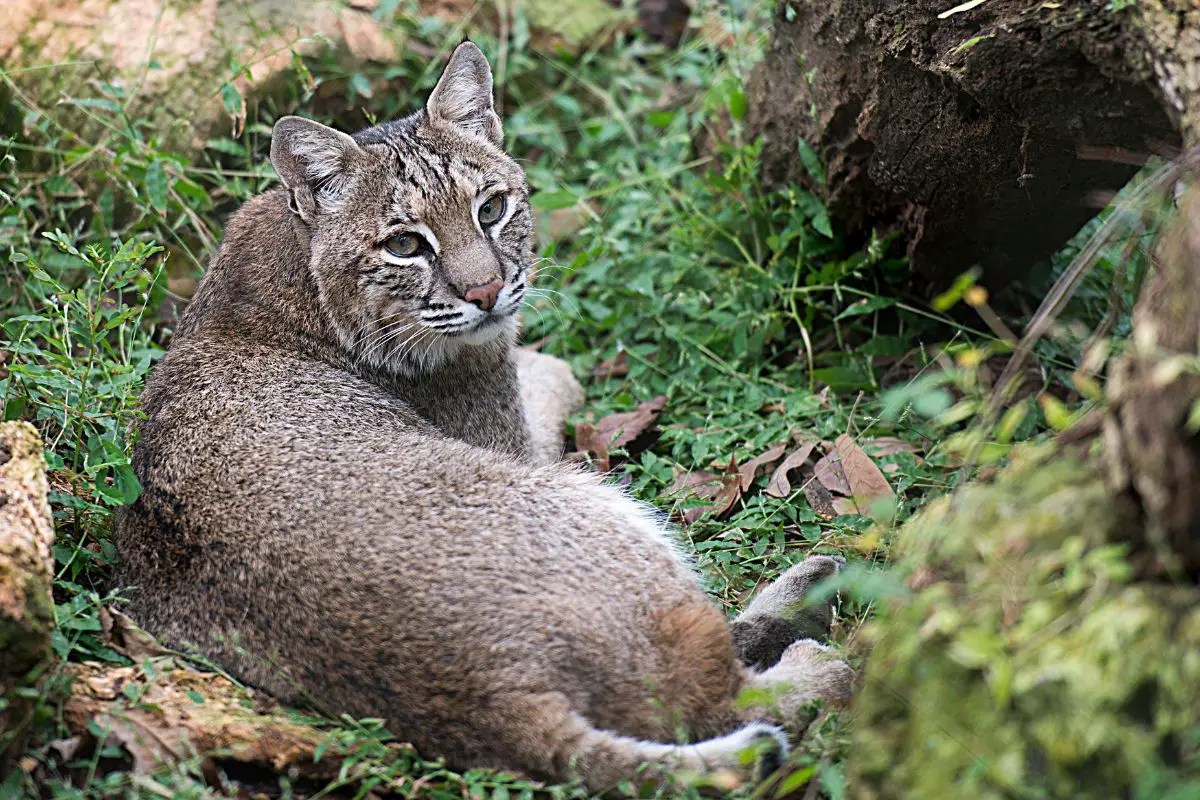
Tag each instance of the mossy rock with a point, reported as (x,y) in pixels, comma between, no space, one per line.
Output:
(1027,662)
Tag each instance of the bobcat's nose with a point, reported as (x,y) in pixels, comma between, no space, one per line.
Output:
(484,296)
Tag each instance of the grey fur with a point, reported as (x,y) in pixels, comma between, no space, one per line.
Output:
(778,616)
(366,521)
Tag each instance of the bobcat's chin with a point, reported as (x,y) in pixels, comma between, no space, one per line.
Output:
(487,329)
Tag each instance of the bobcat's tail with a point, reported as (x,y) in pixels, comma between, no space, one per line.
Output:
(752,753)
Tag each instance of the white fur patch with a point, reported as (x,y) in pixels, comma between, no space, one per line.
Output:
(726,751)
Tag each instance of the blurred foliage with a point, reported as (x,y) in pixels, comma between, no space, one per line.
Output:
(1025,662)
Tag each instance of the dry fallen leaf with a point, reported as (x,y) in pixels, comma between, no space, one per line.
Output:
(600,438)
(721,490)
(830,473)
(127,638)
(890,445)
(764,461)
(779,485)
(866,483)
(845,505)
(612,367)
(820,500)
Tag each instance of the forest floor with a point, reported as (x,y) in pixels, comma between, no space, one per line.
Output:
(669,273)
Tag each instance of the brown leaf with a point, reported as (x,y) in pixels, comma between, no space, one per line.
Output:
(779,485)
(845,505)
(590,443)
(127,638)
(612,367)
(830,473)
(867,484)
(890,445)
(621,429)
(616,430)
(721,490)
(763,461)
(819,499)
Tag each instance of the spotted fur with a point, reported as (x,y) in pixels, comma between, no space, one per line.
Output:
(342,502)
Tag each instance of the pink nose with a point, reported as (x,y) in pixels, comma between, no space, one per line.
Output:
(485,294)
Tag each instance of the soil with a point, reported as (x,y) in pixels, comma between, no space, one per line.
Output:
(962,133)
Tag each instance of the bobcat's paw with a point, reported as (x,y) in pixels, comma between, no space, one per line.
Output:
(820,672)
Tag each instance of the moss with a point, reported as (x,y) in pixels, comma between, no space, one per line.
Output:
(1027,662)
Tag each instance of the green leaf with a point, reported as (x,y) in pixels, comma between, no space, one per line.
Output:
(737,103)
(62,186)
(858,582)
(822,225)
(660,119)
(125,488)
(548,201)
(947,299)
(867,306)
(930,404)
(811,161)
(93,102)
(195,696)
(231,98)
(359,86)
(796,780)
(104,207)
(833,781)
(227,146)
(156,186)
(1193,421)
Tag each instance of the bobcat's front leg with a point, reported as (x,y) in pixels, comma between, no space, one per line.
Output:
(549,394)
(778,616)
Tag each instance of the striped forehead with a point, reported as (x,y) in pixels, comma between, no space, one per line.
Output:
(435,182)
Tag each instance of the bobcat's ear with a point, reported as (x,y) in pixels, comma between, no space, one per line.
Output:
(315,164)
(463,95)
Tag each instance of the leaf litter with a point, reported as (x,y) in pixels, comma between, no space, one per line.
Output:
(629,430)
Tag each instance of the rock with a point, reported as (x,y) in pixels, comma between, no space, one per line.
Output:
(26,573)
(169,60)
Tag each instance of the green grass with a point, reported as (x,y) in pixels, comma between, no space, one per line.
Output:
(746,308)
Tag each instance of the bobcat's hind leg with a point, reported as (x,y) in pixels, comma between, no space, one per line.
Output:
(540,734)
(549,394)
(806,672)
(778,616)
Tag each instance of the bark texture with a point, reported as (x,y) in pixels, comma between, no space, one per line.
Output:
(1155,388)
(26,609)
(964,132)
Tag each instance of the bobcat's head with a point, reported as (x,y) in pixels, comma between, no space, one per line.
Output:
(421,233)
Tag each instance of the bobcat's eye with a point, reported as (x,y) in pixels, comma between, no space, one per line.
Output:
(404,245)
(491,211)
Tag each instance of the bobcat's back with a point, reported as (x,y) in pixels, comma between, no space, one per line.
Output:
(339,495)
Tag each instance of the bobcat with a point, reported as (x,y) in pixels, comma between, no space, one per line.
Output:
(350,493)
